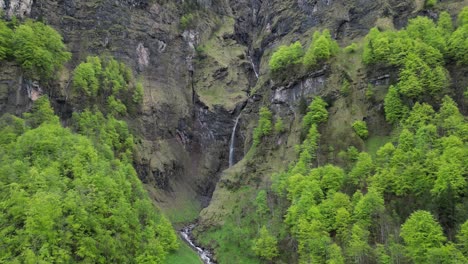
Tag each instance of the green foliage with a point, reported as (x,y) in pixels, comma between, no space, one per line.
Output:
(286,56)
(462,238)
(458,45)
(6,35)
(395,110)
(462,19)
(345,87)
(107,82)
(279,126)
(113,134)
(431,3)
(362,169)
(41,112)
(317,113)
(116,106)
(65,200)
(265,246)
(352,48)
(421,233)
(261,204)
(86,76)
(322,48)
(360,127)
(369,91)
(264,126)
(138,94)
(444,24)
(39,49)
(186,21)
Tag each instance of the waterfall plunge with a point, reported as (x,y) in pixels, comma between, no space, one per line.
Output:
(233,142)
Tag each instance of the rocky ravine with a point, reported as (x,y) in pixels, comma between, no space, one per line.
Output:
(196,79)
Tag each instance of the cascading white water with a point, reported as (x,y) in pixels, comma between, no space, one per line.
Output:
(233,142)
(253,66)
(204,254)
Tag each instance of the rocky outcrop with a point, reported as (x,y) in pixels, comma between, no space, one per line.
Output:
(18,8)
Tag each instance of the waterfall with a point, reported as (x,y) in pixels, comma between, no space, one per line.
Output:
(233,142)
(253,66)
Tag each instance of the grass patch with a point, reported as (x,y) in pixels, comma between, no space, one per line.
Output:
(184,212)
(232,240)
(375,142)
(183,255)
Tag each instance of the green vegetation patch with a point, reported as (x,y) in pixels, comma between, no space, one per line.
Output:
(38,48)
(65,197)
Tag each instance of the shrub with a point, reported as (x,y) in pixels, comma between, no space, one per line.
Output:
(286,56)
(369,91)
(351,48)
(360,127)
(138,94)
(431,3)
(322,48)
(264,126)
(345,87)
(279,126)
(317,113)
(186,21)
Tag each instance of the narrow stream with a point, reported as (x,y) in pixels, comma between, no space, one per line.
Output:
(205,255)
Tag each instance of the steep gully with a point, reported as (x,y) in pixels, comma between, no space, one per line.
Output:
(186,232)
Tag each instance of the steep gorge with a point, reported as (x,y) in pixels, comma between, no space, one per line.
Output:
(200,78)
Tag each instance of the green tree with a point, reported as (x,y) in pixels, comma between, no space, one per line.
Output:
(421,233)
(322,48)
(317,113)
(360,127)
(138,93)
(86,76)
(264,126)
(261,204)
(463,17)
(39,49)
(335,255)
(6,35)
(395,110)
(331,177)
(41,112)
(462,238)
(361,170)
(358,248)
(424,29)
(286,56)
(457,44)
(265,246)
(444,24)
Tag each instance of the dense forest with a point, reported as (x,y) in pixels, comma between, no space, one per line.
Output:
(71,194)
(403,203)
(345,147)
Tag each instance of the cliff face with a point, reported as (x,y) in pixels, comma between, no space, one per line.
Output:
(198,79)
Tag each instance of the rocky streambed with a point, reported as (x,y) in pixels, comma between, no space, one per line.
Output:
(205,255)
